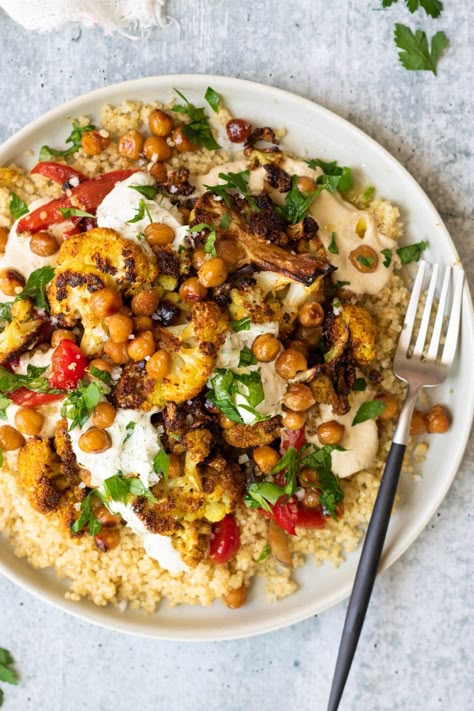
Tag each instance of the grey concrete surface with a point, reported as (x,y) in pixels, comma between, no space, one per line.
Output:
(417,646)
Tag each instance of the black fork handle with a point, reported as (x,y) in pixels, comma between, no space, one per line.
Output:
(366,572)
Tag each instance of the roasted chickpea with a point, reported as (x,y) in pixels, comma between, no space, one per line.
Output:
(117,352)
(311,335)
(101,364)
(289,363)
(95,440)
(44,244)
(94,142)
(266,458)
(437,419)
(192,290)
(392,407)
(130,144)
(159,172)
(62,334)
(229,251)
(311,314)
(299,346)
(293,420)
(11,282)
(308,476)
(29,421)
(142,323)
(3,239)
(160,124)
(198,258)
(298,397)
(10,439)
(311,499)
(225,423)
(364,259)
(418,423)
(120,327)
(159,234)
(104,415)
(107,539)
(235,598)
(185,214)
(105,302)
(142,346)
(306,184)
(159,365)
(156,149)
(266,347)
(213,273)
(102,514)
(145,302)
(182,142)
(331,432)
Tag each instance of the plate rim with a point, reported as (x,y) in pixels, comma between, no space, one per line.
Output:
(94,615)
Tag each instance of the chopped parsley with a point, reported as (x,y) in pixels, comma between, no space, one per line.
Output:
(387,253)
(330,492)
(4,403)
(141,212)
(225,221)
(368,411)
(246,358)
(360,385)
(33,380)
(129,427)
(335,177)
(339,285)
(87,517)
(119,488)
(366,261)
(297,203)
(233,181)
(225,385)
(264,554)
(7,672)
(161,464)
(412,253)
(242,324)
(433,8)
(197,130)
(67,212)
(100,374)
(35,287)
(81,402)
(333,246)
(148,191)
(213,99)
(17,207)
(5,314)
(46,153)
(209,245)
(368,194)
(415,54)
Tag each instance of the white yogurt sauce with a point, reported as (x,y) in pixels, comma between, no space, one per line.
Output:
(360,441)
(122,203)
(333,214)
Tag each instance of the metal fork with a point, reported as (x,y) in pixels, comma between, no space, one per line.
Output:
(419,369)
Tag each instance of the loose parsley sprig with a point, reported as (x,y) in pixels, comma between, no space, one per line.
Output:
(335,177)
(197,130)
(75,138)
(368,411)
(412,252)
(433,8)
(148,191)
(7,672)
(141,212)
(415,53)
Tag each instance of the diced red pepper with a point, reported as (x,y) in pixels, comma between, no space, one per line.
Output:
(58,172)
(27,398)
(68,366)
(88,195)
(225,541)
(310,518)
(289,513)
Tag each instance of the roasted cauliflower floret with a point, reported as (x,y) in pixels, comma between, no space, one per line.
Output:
(40,474)
(250,301)
(22,333)
(353,328)
(193,348)
(244,436)
(89,262)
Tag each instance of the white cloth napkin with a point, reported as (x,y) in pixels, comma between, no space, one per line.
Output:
(111,15)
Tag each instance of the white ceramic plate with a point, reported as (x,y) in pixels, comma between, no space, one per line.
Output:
(312,131)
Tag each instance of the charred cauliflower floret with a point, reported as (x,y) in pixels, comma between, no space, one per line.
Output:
(41,475)
(250,301)
(89,262)
(353,327)
(193,348)
(244,436)
(22,333)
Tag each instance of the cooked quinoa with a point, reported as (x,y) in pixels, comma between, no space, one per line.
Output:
(125,574)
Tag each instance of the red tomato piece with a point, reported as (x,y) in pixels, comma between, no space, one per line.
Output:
(292,438)
(68,366)
(27,398)
(286,515)
(310,518)
(57,171)
(225,540)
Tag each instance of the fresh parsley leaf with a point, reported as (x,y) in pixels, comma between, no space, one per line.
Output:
(387,253)
(33,380)
(246,358)
(161,464)
(87,517)
(333,246)
(35,287)
(263,495)
(225,385)
(233,181)
(225,221)
(5,314)
(4,403)
(250,386)
(433,8)
(129,427)
(329,487)
(7,673)
(210,244)
(81,402)
(288,462)
(366,261)
(100,374)
(138,488)
(360,385)
(412,253)
(17,207)
(148,191)
(119,488)
(387,3)
(415,54)
(265,553)
(141,212)
(368,194)
(297,203)
(221,394)
(198,129)
(46,153)
(341,175)
(368,411)
(67,212)
(242,324)
(339,285)
(213,99)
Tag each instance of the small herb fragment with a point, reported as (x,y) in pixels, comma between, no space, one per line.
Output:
(7,673)
(118,488)
(297,203)
(198,129)
(368,194)
(81,402)
(87,517)
(67,212)
(242,324)
(100,374)
(333,246)
(148,191)
(328,483)
(387,253)
(246,357)
(35,287)
(264,554)
(161,464)
(213,99)
(263,495)
(415,54)
(129,427)
(46,153)
(340,285)
(233,181)
(360,385)
(209,245)
(5,314)
(141,212)
(368,411)
(340,176)
(225,385)
(366,261)
(412,253)
(225,221)
(17,207)
(4,403)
